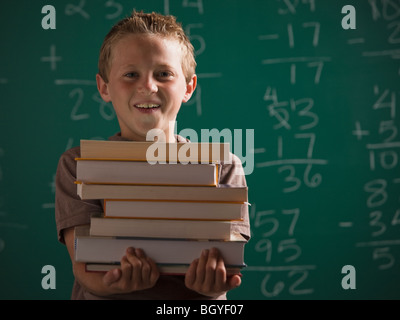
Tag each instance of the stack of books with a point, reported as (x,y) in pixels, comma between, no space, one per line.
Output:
(167,202)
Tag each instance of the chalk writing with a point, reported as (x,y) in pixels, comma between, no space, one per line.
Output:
(386,9)
(294,121)
(105,109)
(311,61)
(290,6)
(313,152)
(382,194)
(71,9)
(266,224)
(52,59)
(116,9)
(286,114)
(194,4)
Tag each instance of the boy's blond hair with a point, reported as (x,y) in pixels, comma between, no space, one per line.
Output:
(147,23)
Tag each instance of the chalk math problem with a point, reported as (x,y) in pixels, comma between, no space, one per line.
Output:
(323,102)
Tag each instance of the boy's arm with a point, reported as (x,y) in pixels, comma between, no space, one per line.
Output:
(137,272)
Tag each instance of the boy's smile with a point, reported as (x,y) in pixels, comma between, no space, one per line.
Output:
(146,84)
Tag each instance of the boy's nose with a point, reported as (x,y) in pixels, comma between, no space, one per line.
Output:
(147,86)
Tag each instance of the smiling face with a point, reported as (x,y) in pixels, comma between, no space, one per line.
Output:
(146,84)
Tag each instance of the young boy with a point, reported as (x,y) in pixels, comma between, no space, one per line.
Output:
(146,70)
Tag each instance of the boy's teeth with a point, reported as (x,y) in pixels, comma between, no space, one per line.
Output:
(147,106)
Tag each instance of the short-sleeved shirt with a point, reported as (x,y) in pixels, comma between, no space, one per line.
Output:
(71,211)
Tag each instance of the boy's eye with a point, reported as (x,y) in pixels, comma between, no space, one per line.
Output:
(131,75)
(165,74)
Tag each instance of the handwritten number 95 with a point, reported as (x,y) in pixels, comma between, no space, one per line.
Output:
(265,245)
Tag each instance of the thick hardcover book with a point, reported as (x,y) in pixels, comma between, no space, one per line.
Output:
(156,151)
(167,209)
(224,193)
(163,251)
(165,269)
(144,173)
(162,228)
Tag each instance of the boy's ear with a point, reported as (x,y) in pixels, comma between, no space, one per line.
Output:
(102,87)
(190,87)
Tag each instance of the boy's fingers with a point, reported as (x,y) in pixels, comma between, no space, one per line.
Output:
(220,271)
(111,276)
(140,253)
(144,269)
(234,282)
(190,276)
(126,269)
(211,266)
(145,266)
(136,265)
(154,273)
(201,267)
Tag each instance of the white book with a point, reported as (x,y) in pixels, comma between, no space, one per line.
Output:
(163,251)
(162,228)
(158,209)
(141,172)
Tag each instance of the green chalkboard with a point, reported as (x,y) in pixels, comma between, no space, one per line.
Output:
(323,102)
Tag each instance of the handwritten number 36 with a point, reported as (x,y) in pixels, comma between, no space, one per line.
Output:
(295,183)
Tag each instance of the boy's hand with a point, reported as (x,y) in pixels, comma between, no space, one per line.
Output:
(137,272)
(207,275)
